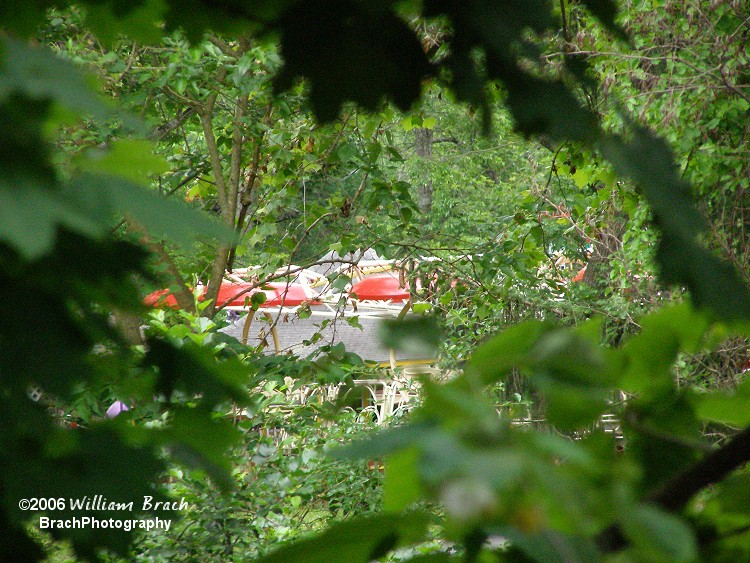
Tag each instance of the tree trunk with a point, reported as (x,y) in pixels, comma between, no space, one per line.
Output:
(227,187)
(129,326)
(423,144)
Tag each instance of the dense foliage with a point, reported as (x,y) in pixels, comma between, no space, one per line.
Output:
(204,105)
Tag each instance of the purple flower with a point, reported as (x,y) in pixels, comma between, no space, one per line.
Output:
(116,408)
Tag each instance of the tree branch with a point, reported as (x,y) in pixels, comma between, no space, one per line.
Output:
(165,129)
(711,469)
(213,152)
(676,493)
(183,295)
(228,188)
(245,195)
(224,47)
(235,163)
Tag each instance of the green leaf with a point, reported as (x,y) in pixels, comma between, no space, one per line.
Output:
(728,408)
(569,357)
(537,234)
(192,370)
(648,161)
(546,107)
(441,558)
(572,452)
(385,442)
(201,440)
(565,365)
(140,20)
(32,206)
(402,485)
(64,290)
(24,22)
(734,495)
(581,177)
(548,547)
(351,62)
(339,281)
(714,284)
(407,124)
(234,19)
(162,217)
(572,406)
(493,360)
(74,465)
(420,308)
(660,535)
(30,215)
(131,159)
(356,541)
(419,336)
(573,375)
(38,74)
(257,299)
(649,356)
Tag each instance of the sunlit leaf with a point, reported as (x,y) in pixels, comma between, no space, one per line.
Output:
(606,11)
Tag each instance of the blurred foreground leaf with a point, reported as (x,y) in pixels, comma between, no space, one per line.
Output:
(356,541)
